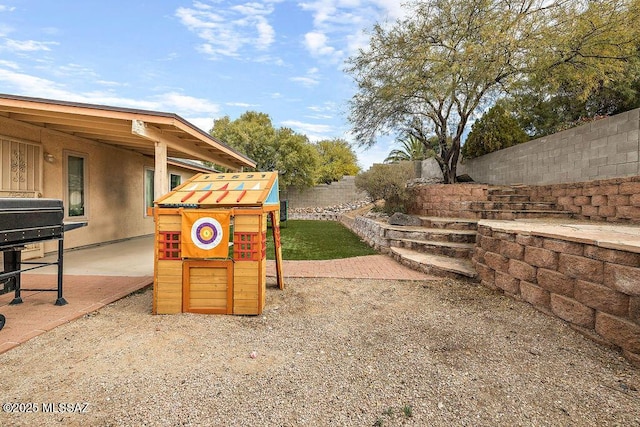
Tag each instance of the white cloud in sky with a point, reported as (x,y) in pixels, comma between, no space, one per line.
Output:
(27,45)
(5,8)
(317,44)
(187,104)
(229,30)
(204,123)
(314,131)
(312,78)
(338,25)
(241,104)
(9,64)
(172,102)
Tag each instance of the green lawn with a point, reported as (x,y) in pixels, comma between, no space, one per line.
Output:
(314,240)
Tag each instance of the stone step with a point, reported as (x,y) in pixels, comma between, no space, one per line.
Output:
(513,206)
(458,268)
(449,223)
(396,232)
(514,190)
(508,197)
(450,249)
(508,215)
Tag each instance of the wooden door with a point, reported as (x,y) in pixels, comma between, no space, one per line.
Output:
(208,287)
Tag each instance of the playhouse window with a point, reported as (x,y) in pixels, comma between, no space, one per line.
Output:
(245,246)
(169,245)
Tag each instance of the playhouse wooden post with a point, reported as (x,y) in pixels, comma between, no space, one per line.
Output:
(275,223)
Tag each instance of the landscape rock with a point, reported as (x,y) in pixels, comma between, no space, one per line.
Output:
(399,218)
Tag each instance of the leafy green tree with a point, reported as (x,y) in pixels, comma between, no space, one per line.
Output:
(541,112)
(495,130)
(428,73)
(296,159)
(253,134)
(337,159)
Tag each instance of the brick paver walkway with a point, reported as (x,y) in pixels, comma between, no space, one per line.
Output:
(363,267)
(38,314)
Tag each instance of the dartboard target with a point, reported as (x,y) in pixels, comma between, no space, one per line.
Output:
(206,233)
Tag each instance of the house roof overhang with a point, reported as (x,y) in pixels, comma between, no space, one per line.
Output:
(132,129)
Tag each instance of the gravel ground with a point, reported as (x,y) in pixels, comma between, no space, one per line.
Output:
(327,352)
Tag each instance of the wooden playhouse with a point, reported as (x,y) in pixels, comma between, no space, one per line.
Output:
(210,244)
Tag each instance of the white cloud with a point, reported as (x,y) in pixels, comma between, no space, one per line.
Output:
(5,8)
(32,86)
(305,81)
(311,79)
(204,123)
(172,102)
(338,25)
(242,104)
(229,30)
(27,45)
(185,104)
(110,83)
(316,44)
(314,131)
(9,64)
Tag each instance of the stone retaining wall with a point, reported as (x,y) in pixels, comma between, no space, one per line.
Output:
(612,200)
(595,289)
(447,200)
(370,231)
(615,200)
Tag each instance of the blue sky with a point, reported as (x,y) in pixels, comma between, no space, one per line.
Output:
(199,59)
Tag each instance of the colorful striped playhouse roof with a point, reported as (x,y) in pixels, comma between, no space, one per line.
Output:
(225,190)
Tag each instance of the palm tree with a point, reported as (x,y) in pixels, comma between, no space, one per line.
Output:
(412,149)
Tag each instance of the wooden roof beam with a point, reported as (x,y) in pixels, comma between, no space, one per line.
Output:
(144,130)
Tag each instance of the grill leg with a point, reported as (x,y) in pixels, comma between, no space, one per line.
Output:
(14,261)
(9,265)
(2,321)
(60,300)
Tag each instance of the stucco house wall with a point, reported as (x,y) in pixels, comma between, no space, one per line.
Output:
(115,200)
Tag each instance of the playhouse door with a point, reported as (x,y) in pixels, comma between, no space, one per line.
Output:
(208,287)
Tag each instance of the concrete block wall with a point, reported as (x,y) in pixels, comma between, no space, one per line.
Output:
(324,195)
(595,289)
(606,148)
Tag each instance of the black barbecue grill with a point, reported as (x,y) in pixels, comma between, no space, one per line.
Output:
(27,221)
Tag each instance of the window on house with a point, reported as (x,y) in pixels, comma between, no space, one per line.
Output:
(148,187)
(76,185)
(175,180)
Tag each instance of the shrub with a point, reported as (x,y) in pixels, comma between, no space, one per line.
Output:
(388,182)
